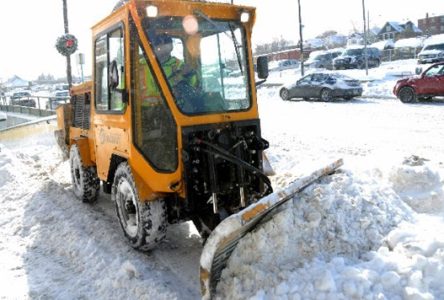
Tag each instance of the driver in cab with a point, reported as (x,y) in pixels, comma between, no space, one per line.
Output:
(180,77)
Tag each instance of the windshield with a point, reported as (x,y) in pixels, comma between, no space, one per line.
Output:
(353,52)
(435,47)
(205,64)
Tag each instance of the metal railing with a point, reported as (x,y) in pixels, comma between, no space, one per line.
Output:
(34,105)
(398,54)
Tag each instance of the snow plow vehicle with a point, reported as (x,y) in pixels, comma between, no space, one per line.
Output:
(169,126)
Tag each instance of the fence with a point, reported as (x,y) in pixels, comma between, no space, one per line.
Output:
(399,53)
(34,105)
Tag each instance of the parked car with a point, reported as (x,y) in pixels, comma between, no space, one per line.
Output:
(322,59)
(354,58)
(284,64)
(324,86)
(58,98)
(427,85)
(22,98)
(431,53)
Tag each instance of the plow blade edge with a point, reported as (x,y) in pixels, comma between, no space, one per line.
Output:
(225,237)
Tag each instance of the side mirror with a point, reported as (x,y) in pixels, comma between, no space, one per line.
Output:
(418,70)
(262,67)
(113,79)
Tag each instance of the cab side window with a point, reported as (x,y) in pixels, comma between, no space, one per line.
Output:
(110,71)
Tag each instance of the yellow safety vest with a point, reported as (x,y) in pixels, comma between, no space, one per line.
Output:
(173,71)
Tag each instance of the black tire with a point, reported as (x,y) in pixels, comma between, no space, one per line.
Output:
(285,94)
(144,224)
(407,95)
(348,98)
(378,63)
(326,95)
(85,182)
(306,99)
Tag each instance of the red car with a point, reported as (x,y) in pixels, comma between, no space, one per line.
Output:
(428,84)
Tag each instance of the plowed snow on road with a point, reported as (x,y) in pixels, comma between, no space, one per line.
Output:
(370,231)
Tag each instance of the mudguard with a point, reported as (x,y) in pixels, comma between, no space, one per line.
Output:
(227,234)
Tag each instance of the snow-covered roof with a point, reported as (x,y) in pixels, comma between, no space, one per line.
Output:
(402,27)
(434,39)
(410,43)
(315,43)
(381,45)
(336,39)
(16,82)
(396,26)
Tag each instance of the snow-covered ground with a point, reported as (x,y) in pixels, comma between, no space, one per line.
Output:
(370,231)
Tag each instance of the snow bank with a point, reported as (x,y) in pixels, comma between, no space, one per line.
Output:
(59,248)
(418,185)
(348,236)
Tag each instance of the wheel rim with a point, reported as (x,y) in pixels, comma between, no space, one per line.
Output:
(126,203)
(325,95)
(284,94)
(406,95)
(76,174)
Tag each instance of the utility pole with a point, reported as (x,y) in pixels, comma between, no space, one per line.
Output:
(301,39)
(68,57)
(365,38)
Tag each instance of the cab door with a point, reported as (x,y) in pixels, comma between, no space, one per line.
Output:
(432,82)
(110,122)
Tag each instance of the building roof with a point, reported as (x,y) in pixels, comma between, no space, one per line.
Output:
(382,45)
(410,43)
(16,81)
(399,27)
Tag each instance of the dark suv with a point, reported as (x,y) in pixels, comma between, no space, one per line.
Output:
(354,58)
(22,99)
(423,87)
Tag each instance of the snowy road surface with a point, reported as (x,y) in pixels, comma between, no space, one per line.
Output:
(371,231)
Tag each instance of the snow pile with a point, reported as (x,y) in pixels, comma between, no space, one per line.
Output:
(59,248)
(418,185)
(348,236)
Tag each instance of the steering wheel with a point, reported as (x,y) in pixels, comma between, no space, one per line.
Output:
(188,97)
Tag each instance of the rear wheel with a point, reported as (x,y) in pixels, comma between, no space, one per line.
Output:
(85,182)
(407,95)
(326,95)
(285,94)
(144,223)
(378,63)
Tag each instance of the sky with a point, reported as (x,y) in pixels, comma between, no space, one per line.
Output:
(30,28)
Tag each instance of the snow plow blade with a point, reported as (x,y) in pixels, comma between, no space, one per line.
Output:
(225,237)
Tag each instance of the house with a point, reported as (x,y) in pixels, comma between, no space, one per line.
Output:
(16,82)
(396,31)
(335,41)
(355,39)
(431,25)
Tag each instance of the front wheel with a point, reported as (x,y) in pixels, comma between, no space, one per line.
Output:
(326,95)
(407,95)
(85,182)
(285,94)
(144,223)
